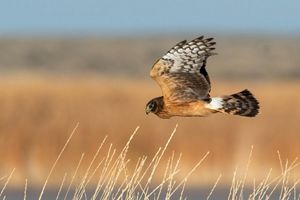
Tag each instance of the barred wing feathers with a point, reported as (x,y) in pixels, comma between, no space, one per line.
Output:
(181,72)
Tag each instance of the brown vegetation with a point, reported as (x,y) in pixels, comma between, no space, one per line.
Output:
(38,114)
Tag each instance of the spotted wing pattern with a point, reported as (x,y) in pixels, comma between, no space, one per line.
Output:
(181,72)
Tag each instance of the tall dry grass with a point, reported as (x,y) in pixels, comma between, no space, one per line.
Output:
(115,179)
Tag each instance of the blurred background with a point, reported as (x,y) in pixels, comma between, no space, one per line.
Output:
(64,62)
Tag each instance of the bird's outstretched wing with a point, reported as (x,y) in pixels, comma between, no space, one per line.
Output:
(181,72)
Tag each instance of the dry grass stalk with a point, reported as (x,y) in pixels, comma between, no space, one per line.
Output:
(61,186)
(25,189)
(73,177)
(57,159)
(6,182)
(214,187)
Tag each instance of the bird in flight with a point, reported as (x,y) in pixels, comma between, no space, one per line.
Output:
(185,84)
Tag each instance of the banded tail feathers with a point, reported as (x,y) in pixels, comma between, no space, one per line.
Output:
(242,103)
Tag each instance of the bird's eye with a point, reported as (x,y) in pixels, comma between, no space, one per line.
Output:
(152,106)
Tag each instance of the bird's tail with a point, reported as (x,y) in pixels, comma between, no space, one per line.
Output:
(242,103)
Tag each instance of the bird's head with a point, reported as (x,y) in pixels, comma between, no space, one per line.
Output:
(154,105)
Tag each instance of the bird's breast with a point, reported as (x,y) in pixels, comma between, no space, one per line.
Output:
(188,109)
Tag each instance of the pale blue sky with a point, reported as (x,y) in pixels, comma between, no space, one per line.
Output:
(155,16)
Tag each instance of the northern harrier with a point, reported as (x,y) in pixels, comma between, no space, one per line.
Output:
(185,85)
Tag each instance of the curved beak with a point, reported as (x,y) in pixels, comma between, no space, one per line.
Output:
(147,111)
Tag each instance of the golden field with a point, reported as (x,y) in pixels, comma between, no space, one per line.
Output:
(38,113)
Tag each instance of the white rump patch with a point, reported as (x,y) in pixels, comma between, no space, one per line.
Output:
(216,103)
